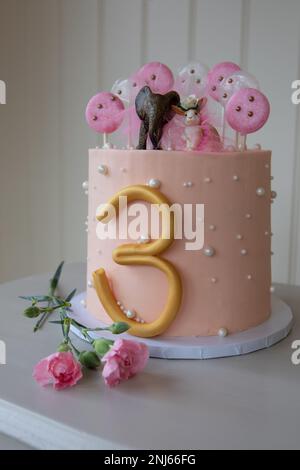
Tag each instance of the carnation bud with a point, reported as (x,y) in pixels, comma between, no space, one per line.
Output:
(89,359)
(119,328)
(63,347)
(32,312)
(102,346)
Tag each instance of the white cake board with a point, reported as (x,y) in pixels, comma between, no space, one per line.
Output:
(263,336)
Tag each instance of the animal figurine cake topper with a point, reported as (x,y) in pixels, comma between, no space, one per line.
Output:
(153,109)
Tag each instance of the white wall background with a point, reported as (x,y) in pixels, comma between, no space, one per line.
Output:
(55,54)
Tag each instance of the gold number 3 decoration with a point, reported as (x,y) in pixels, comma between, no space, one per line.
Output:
(142,255)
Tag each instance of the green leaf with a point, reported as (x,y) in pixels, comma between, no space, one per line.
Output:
(70,296)
(75,323)
(36,298)
(55,280)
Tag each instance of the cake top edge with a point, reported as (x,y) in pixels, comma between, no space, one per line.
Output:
(185,154)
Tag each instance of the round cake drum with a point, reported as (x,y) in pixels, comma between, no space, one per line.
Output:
(263,336)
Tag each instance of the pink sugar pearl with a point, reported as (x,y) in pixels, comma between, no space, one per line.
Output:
(217,75)
(157,76)
(105,113)
(247,111)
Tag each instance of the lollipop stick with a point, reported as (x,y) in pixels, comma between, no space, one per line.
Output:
(237,140)
(105,140)
(223,124)
(129,142)
(106,144)
(243,143)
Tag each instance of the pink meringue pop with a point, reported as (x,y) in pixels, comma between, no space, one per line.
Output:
(247,111)
(217,75)
(157,76)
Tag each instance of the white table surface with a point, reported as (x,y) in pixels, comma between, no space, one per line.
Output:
(241,402)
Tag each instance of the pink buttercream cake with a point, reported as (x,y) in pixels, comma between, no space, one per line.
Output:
(230,290)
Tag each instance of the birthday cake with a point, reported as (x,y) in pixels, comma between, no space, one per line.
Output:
(179,225)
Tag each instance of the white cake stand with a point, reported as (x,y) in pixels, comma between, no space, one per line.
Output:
(263,336)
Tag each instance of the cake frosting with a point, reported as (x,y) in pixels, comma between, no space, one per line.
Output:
(229,290)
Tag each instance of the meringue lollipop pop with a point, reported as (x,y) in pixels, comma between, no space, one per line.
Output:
(247,111)
(234,83)
(191,80)
(155,75)
(215,80)
(104,114)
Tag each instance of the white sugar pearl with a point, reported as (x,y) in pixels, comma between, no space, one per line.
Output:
(143,322)
(90,284)
(86,193)
(207,180)
(209,251)
(214,280)
(257,147)
(266,234)
(239,236)
(248,216)
(223,332)
(119,303)
(267,166)
(212,228)
(102,169)
(154,183)
(244,252)
(235,178)
(249,277)
(130,314)
(260,192)
(273,195)
(144,239)
(83,303)
(85,185)
(272,289)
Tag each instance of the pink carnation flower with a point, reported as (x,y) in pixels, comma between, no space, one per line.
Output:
(59,369)
(124,360)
